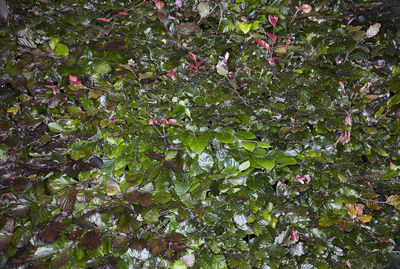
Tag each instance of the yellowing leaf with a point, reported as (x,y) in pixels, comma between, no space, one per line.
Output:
(365,218)
(394,200)
(373,205)
(351,211)
(13,110)
(112,188)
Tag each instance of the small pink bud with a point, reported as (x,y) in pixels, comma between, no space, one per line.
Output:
(152,121)
(172,121)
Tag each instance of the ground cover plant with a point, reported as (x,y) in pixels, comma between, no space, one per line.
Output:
(200,134)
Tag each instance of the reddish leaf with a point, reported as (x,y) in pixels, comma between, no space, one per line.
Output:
(121,14)
(138,244)
(91,239)
(66,200)
(171,73)
(74,234)
(273,20)
(159,4)
(344,225)
(272,36)
(192,55)
(5,241)
(294,235)
(103,19)
(51,232)
(146,199)
(192,65)
(263,43)
(161,15)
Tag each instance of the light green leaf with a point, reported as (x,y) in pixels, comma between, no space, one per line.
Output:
(198,143)
(178,265)
(61,50)
(101,67)
(243,166)
(248,145)
(244,27)
(266,163)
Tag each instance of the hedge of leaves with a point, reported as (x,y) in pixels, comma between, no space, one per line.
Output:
(219,134)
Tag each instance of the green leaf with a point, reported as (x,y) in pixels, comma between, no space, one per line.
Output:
(394,100)
(243,166)
(205,161)
(226,26)
(151,216)
(225,137)
(55,127)
(218,262)
(162,197)
(101,67)
(248,145)
(198,143)
(61,50)
(244,27)
(245,135)
(266,163)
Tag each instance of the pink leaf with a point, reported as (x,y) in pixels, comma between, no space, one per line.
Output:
(263,43)
(152,121)
(121,14)
(103,19)
(159,4)
(73,79)
(243,85)
(359,209)
(192,55)
(299,179)
(171,73)
(165,121)
(271,61)
(305,8)
(273,20)
(192,65)
(272,36)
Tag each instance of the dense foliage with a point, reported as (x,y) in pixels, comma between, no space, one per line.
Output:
(219,134)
